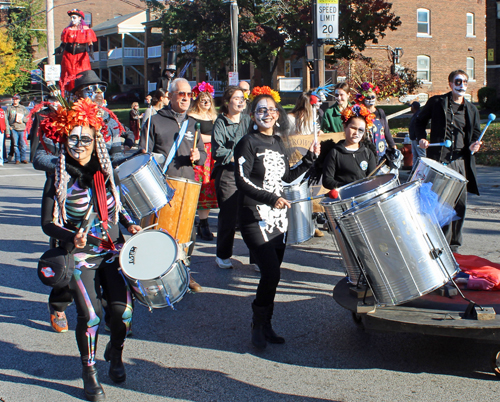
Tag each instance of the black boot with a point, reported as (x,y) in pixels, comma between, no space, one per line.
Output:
(269,333)
(204,230)
(258,321)
(91,384)
(116,367)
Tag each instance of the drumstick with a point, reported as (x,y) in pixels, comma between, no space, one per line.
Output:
(196,130)
(491,117)
(446,144)
(331,194)
(378,167)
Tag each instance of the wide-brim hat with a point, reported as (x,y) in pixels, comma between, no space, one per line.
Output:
(88,77)
(75,11)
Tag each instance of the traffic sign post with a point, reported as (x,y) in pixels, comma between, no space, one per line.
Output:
(52,72)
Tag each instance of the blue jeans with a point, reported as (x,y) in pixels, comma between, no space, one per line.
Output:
(417,152)
(2,148)
(19,145)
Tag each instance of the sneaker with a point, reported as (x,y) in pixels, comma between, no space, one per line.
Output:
(318,233)
(58,320)
(224,264)
(194,286)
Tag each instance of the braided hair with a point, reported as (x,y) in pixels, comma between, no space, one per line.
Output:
(61,184)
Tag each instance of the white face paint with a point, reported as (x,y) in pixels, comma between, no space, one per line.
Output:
(75,20)
(459,85)
(80,143)
(370,99)
(354,131)
(266,114)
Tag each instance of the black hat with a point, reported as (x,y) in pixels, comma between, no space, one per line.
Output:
(88,77)
(76,11)
(55,267)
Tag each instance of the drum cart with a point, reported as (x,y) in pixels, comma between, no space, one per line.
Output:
(431,314)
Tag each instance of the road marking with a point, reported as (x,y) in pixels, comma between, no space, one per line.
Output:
(19,175)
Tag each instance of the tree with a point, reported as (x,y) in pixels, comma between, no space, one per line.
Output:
(25,29)
(267,27)
(8,62)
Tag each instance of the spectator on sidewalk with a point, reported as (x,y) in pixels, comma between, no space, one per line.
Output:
(17,116)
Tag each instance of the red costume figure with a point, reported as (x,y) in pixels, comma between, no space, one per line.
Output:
(77,39)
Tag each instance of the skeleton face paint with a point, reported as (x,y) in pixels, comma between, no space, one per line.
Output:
(75,20)
(265,115)
(459,85)
(80,144)
(370,99)
(354,131)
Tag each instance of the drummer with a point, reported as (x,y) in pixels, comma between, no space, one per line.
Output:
(164,131)
(455,119)
(350,160)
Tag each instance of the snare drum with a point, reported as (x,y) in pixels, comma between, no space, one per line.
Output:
(446,182)
(351,195)
(143,260)
(143,186)
(403,253)
(300,223)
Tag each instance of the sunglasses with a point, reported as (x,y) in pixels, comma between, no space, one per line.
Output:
(94,88)
(184,94)
(74,140)
(459,81)
(266,110)
(370,97)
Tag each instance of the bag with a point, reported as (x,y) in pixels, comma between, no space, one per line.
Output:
(55,267)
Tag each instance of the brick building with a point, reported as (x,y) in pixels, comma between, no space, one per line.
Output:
(437,37)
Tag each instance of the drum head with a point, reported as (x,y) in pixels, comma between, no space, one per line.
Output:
(439,167)
(148,255)
(132,165)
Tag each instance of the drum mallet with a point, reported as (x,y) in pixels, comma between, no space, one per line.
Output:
(446,144)
(491,117)
(332,194)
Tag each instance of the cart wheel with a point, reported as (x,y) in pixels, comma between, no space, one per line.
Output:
(495,363)
(357,320)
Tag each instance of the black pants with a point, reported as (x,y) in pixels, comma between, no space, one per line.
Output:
(269,258)
(453,231)
(86,287)
(227,198)
(60,298)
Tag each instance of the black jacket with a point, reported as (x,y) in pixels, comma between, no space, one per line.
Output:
(342,167)
(435,110)
(163,131)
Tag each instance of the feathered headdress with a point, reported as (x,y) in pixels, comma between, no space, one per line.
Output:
(363,90)
(358,110)
(321,93)
(203,87)
(265,90)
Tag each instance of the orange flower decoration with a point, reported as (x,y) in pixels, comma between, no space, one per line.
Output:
(358,110)
(265,90)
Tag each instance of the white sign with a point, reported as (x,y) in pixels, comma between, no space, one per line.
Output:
(234,79)
(327,19)
(52,72)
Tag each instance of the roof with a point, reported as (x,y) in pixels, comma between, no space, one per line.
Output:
(132,22)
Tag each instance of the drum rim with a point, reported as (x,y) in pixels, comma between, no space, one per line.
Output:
(182,179)
(163,232)
(452,173)
(143,166)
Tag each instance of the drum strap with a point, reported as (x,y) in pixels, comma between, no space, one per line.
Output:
(176,145)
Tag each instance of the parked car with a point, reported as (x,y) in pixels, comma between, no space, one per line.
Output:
(132,95)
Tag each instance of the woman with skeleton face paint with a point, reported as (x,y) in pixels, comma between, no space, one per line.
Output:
(261,167)
(379,133)
(77,42)
(84,182)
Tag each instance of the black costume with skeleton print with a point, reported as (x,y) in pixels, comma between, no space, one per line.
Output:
(261,166)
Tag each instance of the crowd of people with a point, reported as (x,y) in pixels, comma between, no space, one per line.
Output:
(240,156)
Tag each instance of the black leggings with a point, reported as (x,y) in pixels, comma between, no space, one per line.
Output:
(269,258)
(86,286)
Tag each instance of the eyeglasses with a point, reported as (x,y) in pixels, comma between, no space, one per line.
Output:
(184,94)
(266,110)
(459,81)
(370,97)
(74,140)
(94,88)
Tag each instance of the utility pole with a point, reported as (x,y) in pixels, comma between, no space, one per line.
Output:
(234,35)
(49,6)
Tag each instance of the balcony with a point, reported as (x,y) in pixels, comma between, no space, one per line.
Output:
(126,53)
(154,52)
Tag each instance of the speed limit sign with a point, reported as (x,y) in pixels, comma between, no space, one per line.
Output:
(327,17)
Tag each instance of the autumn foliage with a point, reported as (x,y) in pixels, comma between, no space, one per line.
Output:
(8,62)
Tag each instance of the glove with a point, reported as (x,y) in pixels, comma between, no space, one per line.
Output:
(60,49)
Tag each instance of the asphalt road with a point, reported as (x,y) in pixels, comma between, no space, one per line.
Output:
(202,350)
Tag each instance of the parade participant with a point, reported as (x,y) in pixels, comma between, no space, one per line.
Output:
(332,121)
(164,131)
(84,177)
(455,119)
(4,131)
(17,116)
(301,116)
(77,42)
(203,111)
(166,78)
(158,101)
(261,166)
(229,127)
(379,133)
(134,119)
(416,151)
(350,160)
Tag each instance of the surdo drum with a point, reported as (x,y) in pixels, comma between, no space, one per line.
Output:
(300,223)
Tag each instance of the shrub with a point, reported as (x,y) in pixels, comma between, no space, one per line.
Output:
(487,97)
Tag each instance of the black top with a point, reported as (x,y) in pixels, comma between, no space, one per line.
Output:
(343,166)
(261,166)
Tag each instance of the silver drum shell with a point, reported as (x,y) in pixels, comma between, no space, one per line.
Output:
(300,223)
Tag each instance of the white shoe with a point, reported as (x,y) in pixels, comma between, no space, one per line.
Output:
(224,264)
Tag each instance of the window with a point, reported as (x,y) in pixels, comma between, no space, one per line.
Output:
(470,68)
(424,68)
(423,22)
(470,24)
(88,19)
